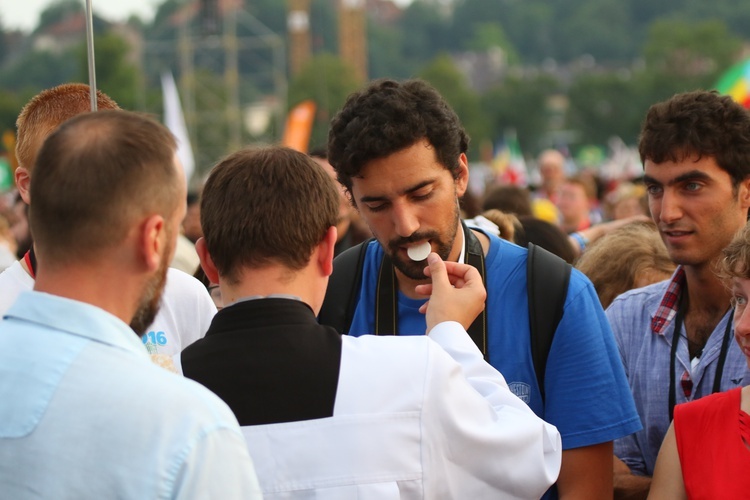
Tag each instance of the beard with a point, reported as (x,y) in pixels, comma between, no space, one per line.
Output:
(441,245)
(150,300)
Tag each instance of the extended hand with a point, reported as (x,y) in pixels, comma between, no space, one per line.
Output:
(456,292)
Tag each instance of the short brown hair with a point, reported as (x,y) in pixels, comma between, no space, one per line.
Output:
(93,176)
(736,256)
(699,123)
(48,110)
(509,199)
(261,206)
(587,184)
(636,247)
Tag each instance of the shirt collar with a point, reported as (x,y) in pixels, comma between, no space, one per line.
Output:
(75,318)
(669,302)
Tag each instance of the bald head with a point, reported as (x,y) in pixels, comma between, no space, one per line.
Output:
(552,162)
(552,169)
(95,176)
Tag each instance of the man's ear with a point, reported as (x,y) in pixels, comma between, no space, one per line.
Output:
(207,263)
(23,183)
(743,191)
(326,250)
(462,181)
(153,239)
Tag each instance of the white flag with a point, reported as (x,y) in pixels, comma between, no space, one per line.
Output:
(175,122)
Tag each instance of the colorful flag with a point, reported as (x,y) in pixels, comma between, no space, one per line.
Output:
(508,163)
(735,82)
(6,174)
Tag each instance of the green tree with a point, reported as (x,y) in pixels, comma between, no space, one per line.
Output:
(489,35)
(38,69)
(385,53)
(601,28)
(605,105)
(10,105)
(327,80)
(58,11)
(520,103)
(423,27)
(443,74)
(116,74)
(682,55)
(324,26)
(530,28)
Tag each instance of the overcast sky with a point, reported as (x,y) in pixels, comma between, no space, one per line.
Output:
(24,14)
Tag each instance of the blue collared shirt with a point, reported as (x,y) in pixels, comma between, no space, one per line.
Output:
(85,414)
(645,355)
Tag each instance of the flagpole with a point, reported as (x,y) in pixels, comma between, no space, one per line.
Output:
(90,50)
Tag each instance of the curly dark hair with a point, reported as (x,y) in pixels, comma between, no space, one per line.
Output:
(701,123)
(388,116)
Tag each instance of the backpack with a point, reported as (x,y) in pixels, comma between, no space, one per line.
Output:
(547,277)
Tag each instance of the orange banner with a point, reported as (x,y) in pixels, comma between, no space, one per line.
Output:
(299,124)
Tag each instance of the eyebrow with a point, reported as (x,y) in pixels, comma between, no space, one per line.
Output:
(687,176)
(417,187)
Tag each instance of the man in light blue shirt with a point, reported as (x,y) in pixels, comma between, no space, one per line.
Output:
(84,413)
(631,316)
(675,337)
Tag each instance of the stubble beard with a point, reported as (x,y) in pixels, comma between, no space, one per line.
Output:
(415,270)
(150,301)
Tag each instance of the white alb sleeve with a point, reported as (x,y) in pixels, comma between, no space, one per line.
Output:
(483,440)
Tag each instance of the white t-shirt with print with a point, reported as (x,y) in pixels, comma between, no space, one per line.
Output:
(185,314)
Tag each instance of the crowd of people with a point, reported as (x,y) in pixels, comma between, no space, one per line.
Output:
(356,327)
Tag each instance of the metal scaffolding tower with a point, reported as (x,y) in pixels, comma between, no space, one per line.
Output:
(227,63)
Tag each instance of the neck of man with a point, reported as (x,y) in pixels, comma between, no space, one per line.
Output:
(708,301)
(272,280)
(91,282)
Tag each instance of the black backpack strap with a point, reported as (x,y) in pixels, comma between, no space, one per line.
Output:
(386,303)
(342,292)
(547,277)
(475,257)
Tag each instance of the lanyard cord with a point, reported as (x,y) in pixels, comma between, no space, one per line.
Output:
(386,303)
(673,356)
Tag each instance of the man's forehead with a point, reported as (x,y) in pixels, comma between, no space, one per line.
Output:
(689,169)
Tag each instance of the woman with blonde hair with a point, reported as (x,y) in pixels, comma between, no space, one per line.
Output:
(629,257)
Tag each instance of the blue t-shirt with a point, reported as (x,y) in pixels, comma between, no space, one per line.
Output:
(587,395)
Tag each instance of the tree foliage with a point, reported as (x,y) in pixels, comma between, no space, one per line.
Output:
(520,103)
(586,68)
(443,74)
(116,75)
(327,80)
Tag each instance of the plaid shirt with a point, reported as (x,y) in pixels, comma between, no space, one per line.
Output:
(665,314)
(643,324)
(669,303)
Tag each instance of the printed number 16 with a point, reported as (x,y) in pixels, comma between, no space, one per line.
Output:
(155,338)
